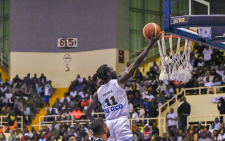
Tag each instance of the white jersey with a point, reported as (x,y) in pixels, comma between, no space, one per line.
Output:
(114,100)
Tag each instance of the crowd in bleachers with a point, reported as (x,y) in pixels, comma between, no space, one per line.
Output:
(145,94)
(22,97)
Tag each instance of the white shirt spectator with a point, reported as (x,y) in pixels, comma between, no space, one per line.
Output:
(149,97)
(56,127)
(218,138)
(200,79)
(81,94)
(4,99)
(68,99)
(172,122)
(47,90)
(144,94)
(200,64)
(42,139)
(222,75)
(161,87)
(130,107)
(73,93)
(153,82)
(207,54)
(210,78)
(141,88)
(135,116)
(80,79)
(142,113)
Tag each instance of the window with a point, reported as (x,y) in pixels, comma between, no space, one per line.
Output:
(4,26)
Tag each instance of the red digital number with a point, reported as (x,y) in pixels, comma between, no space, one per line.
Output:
(71,43)
(62,42)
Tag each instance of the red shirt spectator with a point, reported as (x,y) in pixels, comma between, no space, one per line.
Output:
(85,102)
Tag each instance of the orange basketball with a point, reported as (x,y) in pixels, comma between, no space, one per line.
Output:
(149,29)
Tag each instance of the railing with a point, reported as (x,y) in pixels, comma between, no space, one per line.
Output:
(4,123)
(162,127)
(202,119)
(184,91)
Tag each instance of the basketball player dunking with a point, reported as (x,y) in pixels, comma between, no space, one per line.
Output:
(113,97)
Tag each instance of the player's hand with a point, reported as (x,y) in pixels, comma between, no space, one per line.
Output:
(154,39)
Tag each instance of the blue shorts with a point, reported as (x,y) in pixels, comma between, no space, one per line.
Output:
(46,98)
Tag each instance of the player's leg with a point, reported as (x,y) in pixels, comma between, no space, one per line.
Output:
(112,136)
(123,130)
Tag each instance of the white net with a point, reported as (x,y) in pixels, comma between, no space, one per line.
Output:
(175,66)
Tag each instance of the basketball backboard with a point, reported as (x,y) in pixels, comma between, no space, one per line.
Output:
(207,17)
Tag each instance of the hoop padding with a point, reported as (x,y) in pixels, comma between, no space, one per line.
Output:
(175,66)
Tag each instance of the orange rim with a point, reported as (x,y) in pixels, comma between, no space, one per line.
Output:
(163,32)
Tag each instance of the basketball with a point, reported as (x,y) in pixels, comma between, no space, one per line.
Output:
(149,29)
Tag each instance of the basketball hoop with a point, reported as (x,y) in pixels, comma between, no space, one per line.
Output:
(175,66)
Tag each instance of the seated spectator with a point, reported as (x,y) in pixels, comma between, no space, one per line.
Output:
(133,87)
(208,78)
(201,79)
(142,111)
(138,75)
(17,110)
(28,90)
(222,74)
(161,87)
(169,92)
(206,132)
(12,89)
(146,135)
(160,99)
(200,63)
(180,136)
(18,103)
(137,99)
(73,92)
(155,68)
(4,99)
(216,135)
(84,102)
(54,131)
(135,116)
(55,125)
(57,104)
(205,138)
(31,102)
(145,92)
(130,106)
(140,85)
(83,94)
(12,136)
(22,100)
(11,118)
(152,109)
(153,83)
(155,129)
(149,96)
(214,66)
(217,125)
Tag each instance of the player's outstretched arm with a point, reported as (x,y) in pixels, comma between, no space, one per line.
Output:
(91,107)
(123,77)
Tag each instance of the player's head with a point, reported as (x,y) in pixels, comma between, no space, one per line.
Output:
(99,128)
(105,73)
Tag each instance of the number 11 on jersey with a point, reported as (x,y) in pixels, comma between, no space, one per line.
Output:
(113,101)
